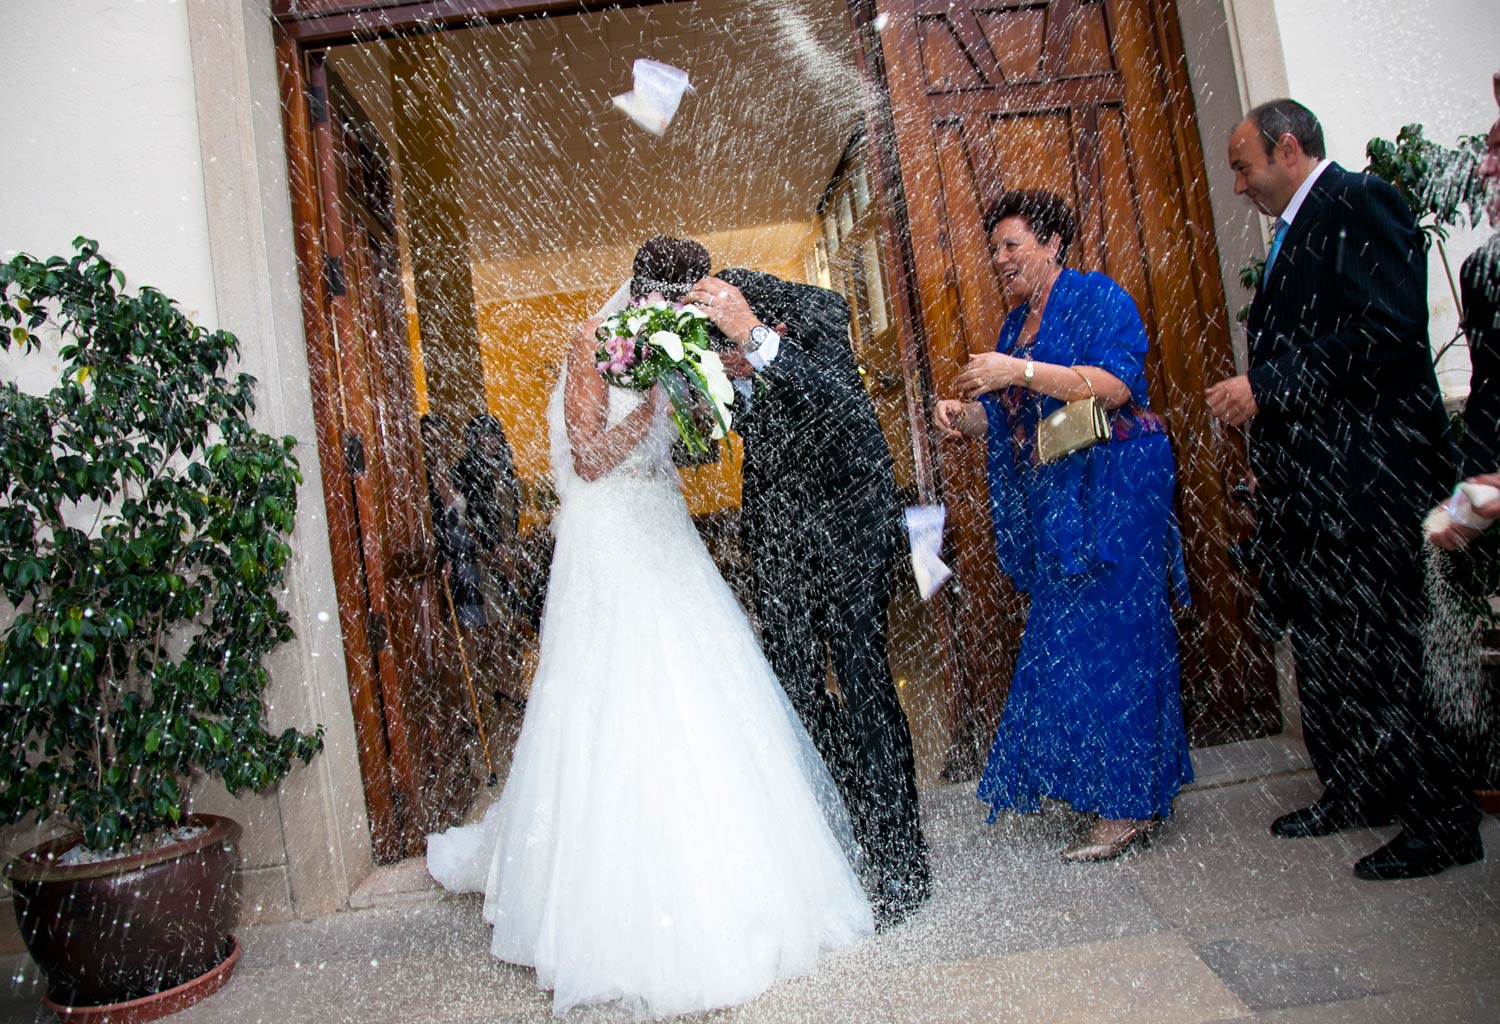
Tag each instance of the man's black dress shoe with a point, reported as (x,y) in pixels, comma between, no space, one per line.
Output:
(1409,856)
(1325,817)
(898,899)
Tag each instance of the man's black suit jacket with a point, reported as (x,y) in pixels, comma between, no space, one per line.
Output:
(1479,280)
(818,474)
(1351,439)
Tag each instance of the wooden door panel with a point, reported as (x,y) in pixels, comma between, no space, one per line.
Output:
(1121,251)
(980,607)
(1036,149)
(1089,50)
(430,708)
(302,105)
(355,417)
(406,705)
(958,167)
(1016,41)
(949,62)
(1087,99)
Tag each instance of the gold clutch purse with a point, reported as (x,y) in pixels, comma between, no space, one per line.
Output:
(1072,427)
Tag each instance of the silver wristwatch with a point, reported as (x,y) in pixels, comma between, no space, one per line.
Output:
(760,334)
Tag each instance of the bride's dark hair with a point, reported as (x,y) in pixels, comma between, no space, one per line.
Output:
(667,265)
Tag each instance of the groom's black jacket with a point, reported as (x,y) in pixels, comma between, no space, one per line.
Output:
(818,474)
(819,522)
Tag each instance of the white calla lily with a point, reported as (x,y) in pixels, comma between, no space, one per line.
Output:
(669,343)
(712,368)
(720,390)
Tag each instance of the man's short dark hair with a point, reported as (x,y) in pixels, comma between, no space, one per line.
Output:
(1288,117)
(1047,215)
(667,265)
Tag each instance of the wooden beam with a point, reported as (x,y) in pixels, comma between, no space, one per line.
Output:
(338,494)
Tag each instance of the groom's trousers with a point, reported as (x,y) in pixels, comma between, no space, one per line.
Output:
(823,599)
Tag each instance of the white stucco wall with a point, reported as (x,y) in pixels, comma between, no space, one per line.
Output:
(102,140)
(154,127)
(1368,67)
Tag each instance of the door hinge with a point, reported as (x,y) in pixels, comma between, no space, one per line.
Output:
(333,274)
(375,630)
(354,454)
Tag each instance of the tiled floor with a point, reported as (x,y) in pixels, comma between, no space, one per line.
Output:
(1218,921)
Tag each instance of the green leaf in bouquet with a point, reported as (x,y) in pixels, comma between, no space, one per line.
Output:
(702,384)
(677,394)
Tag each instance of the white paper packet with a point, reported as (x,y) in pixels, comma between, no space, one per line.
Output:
(658,91)
(924,528)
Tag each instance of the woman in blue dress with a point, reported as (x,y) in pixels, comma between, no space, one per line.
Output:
(1094,714)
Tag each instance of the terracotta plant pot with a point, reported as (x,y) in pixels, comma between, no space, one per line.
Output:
(123,929)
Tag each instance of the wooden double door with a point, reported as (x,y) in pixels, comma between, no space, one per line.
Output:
(1088,98)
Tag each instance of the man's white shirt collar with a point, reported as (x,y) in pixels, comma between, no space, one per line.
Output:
(1301,194)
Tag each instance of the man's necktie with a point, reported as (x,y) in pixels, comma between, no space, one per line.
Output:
(1277,234)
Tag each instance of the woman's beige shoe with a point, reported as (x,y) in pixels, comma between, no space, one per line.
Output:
(1088,849)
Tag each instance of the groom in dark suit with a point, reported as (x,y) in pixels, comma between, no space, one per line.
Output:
(820,520)
(1349,446)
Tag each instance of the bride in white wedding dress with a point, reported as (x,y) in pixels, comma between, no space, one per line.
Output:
(667,837)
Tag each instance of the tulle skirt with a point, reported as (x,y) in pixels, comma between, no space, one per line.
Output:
(667,836)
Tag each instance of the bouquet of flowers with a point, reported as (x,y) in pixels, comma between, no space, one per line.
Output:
(653,341)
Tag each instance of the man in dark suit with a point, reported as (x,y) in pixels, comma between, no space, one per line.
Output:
(820,521)
(1479,287)
(1349,446)
(1479,280)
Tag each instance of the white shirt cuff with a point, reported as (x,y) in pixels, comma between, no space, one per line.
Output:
(761,357)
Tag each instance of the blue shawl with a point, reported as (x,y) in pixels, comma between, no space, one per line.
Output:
(1043,519)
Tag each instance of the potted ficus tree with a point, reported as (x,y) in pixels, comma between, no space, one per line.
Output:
(143,539)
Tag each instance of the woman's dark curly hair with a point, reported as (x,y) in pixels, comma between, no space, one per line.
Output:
(1046,214)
